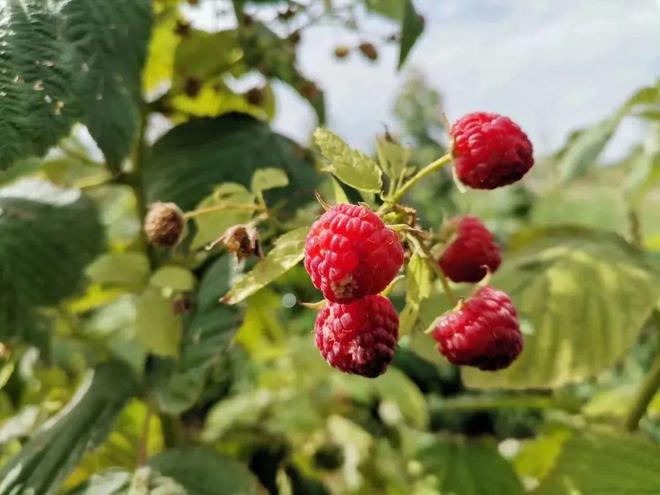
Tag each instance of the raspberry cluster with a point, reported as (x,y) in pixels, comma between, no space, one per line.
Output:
(351,256)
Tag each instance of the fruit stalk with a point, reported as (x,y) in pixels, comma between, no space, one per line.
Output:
(429,169)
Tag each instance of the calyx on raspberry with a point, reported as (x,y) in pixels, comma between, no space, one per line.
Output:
(472,254)
(350,253)
(483,332)
(359,337)
(490,150)
(164,224)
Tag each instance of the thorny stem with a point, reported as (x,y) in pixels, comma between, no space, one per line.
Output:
(647,391)
(429,169)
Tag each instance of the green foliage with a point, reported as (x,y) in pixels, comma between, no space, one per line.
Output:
(205,472)
(40,266)
(287,253)
(88,63)
(44,462)
(350,166)
(583,296)
(188,161)
(597,463)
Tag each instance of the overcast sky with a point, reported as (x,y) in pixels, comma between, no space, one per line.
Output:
(552,65)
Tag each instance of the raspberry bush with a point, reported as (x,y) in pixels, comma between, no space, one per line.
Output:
(193,303)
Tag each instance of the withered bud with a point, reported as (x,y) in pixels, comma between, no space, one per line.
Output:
(182,305)
(255,96)
(241,240)
(369,50)
(342,51)
(164,224)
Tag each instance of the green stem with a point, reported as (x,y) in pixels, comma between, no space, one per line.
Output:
(647,391)
(644,396)
(429,169)
(433,264)
(635,228)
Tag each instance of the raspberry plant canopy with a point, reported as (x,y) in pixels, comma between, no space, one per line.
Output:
(193,303)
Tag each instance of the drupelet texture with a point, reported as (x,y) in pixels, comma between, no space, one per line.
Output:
(472,254)
(484,332)
(490,150)
(350,253)
(359,337)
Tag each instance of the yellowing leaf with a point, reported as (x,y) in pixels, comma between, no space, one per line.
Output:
(350,166)
(287,253)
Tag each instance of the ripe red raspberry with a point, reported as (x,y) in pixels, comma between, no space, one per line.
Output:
(484,332)
(490,150)
(473,252)
(350,253)
(359,337)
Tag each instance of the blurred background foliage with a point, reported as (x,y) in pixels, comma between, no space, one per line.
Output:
(120,370)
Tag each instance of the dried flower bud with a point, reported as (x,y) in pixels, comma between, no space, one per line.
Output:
(242,240)
(164,224)
(342,51)
(369,50)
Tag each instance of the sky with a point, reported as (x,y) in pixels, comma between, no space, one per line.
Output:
(551,65)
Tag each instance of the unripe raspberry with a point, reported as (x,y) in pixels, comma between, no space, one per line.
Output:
(164,224)
(484,332)
(359,337)
(350,253)
(472,254)
(490,150)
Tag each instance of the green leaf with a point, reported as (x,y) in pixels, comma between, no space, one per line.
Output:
(418,288)
(123,269)
(287,253)
(111,41)
(39,265)
(350,166)
(582,297)
(174,278)
(586,146)
(388,8)
(268,178)
(236,201)
(206,336)
(393,157)
(144,481)
(601,464)
(202,471)
(50,455)
(645,173)
(412,26)
(396,389)
(339,193)
(156,326)
(190,160)
(233,412)
(468,467)
(70,61)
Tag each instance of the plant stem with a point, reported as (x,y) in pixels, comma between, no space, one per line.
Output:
(635,229)
(451,295)
(429,169)
(644,396)
(143,447)
(221,207)
(648,389)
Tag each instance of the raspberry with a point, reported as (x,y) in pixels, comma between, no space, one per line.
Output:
(164,224)
(490,150)
(359,337)
(472,254)
(350,253)
(484,332)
